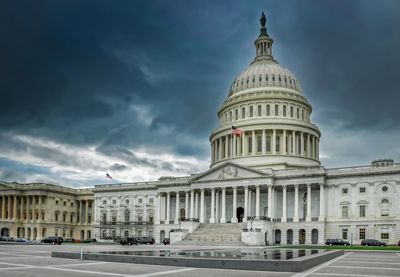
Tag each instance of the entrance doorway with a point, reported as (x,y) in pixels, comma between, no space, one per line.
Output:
(5,232)
(302,236)
(240,214)
(289,236)
(277,236)
(314,236)
(162,236)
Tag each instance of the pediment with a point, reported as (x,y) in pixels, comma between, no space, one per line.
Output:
(229,171)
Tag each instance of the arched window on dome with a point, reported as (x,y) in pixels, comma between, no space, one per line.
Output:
(259,79)
(259,144)
(243,112)
(298,113)
(279,78)
(254,78)
(278,144)
(385,207)
(247,81)
(230,116)
(285,79)
(268,143)
(284,110)
(302,114)
(268,110)
(290,80)
(273,78)
(236,114)
(259,110)
(266,77)
(251,111)
(291,111)
(250,145)
(276,110)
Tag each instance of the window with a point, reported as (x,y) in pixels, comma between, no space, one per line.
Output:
(362,211)
(284,110)
(302,114)
(247,81)
(104,217)
(127,201)
(151,200)
(243,112)
(230,116)
(384,235)
(114,201)
(266,77)
(140,219)
(236,114)
(279,78)
(140,200)
(56,202)
(361,233)
(273,78)
(114,218)
(291,111)
(64,217)
(259,110)
(385,207)
(126,216)
(276,110)
(251,111)
(56,216)
(151,220)
(104,202)
(345,190)
(250,145)
(65,203)
(259,79)
(278,144)
(345,211)
(259,143)
(72,204)
(344,233)
(268,143)
(298,113)
(362,189)
(268,110)
(71,218)
(384,188)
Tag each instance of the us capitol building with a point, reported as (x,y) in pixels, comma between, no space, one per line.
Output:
(264,186)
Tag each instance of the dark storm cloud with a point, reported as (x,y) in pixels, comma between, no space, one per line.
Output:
(127,75)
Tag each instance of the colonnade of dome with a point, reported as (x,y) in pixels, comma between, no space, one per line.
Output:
(266,104)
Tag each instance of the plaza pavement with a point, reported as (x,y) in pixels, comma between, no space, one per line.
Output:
(35,260)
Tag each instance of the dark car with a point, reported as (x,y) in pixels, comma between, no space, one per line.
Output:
(166,241)
(129,241)
(88,240)
(147,240)
(331,242)
(53,240)
(373,242)
(70,240)
(4,238)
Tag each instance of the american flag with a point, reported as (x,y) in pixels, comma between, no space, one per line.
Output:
(108,176)
(236,131)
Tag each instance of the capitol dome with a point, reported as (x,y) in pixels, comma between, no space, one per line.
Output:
(265,121)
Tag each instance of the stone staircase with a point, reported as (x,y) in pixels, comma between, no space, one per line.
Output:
(216,234)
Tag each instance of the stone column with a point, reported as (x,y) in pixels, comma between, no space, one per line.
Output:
(257,201)
(294,147)
(27,208)
(296,203)
(308,218)
(87,212)
(270,201)
(217,207)
(212,218)
(284,143)
(253,142)
(321,203)
(3,207)
(177,207)
(201,205)
(234,205)
(40,208)
(273,139)
(158,211)
(167,219)
(212,152)
(246,203)
(244,143)
(219,149)
(196,204)
(223,212)
(186,205)
(15,208)
(317,149)
(308,146)
(226,146)
(21,212)
(250,203)
(284,213)
(33,208)
(263,147)
(9,207)
(233,146)
(302,144)
(192,204)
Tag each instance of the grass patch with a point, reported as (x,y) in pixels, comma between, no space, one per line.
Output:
(354,247)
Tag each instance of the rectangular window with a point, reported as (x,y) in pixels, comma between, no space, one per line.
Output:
(291,111)
(251,111)
(259,143)
(384,235)
(236,114)
(268,142)
(276,110)
(362,211)
(362,190)
(259,109)
(362,233)
(140,200)
(345,211)
(104,202)
(243,112)
(345,190)
(284,110)
(268,110)
(344,233)
(114,201)
(250,146)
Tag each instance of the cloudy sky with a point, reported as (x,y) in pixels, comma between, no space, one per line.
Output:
(132,87)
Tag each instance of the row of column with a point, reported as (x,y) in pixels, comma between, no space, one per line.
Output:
(218,204)
(27,207)
(284,142)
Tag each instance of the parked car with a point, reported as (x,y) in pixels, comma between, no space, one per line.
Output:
(24,240)
(332,242)
(147,240)
(4,238)
(398,243)
(373,242)
(53,240)
(166,241)
(129,241)
(69,240)
(88,240)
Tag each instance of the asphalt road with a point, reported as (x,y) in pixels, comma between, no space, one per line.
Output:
(35,260)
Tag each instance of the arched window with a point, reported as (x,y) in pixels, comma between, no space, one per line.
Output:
(385,207)
(278,144)
(273,78)
(236,114)
(250,145)
(268,110)
(291,111)
(302,114)
(126,214)
(284,110)
(259,79)
(251,111)
(230,116)
(268,144)
(266,77)
(259,110)
(276,110)
(259,143)
(298,113)
(243,112)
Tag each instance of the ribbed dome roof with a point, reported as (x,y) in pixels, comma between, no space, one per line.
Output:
(265,73)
